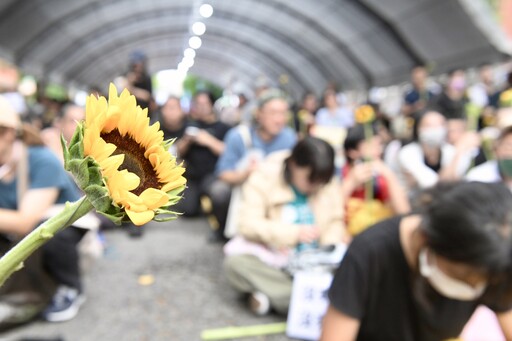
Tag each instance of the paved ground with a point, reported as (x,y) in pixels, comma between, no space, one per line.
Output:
(188,296)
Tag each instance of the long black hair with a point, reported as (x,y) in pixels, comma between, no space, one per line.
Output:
(471,223)
(314,153)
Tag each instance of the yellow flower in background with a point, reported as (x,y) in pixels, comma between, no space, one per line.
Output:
(506,98)
(364,114)
(139,172)
(363,213)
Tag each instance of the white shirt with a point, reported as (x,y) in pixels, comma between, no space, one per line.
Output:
(486,172)
(412,161)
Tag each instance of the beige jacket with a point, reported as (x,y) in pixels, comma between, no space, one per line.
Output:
(265,194)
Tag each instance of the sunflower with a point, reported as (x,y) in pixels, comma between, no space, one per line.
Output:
(139,173)
(506,98)
(364,114)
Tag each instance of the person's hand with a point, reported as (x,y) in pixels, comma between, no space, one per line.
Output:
(308,234)
(380,167)
(131,78)
(469,141)
(203,138)
(419,105)
(361,173)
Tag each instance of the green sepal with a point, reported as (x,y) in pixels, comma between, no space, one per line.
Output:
(78,135)
(168,215)
(99,198)
(164,219)
(176,191)
(95,176)
(77,151)
(79,169)
(115,218)
(65,151)
(169,143)
(76,145)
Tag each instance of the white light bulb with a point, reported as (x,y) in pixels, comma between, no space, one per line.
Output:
(198,28)
(206,10)
(194,42)
(188,62)
(189,53)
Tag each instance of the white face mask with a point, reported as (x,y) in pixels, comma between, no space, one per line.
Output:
(445,285)
(433,137)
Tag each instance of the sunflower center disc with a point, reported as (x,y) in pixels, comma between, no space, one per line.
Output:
(134,160)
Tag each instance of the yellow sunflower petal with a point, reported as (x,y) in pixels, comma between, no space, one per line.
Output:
(124,179)
(174,184)
(140,218)
(154,198)
(113,162)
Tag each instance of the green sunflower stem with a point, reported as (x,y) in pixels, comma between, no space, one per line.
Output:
(13,260)
(368,192)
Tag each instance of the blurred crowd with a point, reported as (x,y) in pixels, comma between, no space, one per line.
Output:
(273,175)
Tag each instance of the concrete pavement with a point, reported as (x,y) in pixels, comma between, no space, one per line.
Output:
(189,293)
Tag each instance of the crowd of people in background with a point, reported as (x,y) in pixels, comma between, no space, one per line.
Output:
(280,174)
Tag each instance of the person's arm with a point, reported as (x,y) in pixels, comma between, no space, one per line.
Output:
(397,195)
(337,326)
(505,320)
(461,159)
(209,141)
(411,161)
(228,165)
(183,145)
(31,211)
(328,209)
(235,177)
(356,177)
(254,221)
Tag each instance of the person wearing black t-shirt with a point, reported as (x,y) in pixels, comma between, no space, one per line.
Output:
(200,147)
(421,277)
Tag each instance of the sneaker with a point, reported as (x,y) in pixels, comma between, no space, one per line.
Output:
(64,305)
(259,303)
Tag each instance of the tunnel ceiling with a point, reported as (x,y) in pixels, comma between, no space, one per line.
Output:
(355,44)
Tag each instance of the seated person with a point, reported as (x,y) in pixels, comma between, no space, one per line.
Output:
(421,276)
(32,180)
(246,147)
(172,121)
(429,158)
(199,148)
(334,114)
(291,201)
(369,187)
(499,170)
